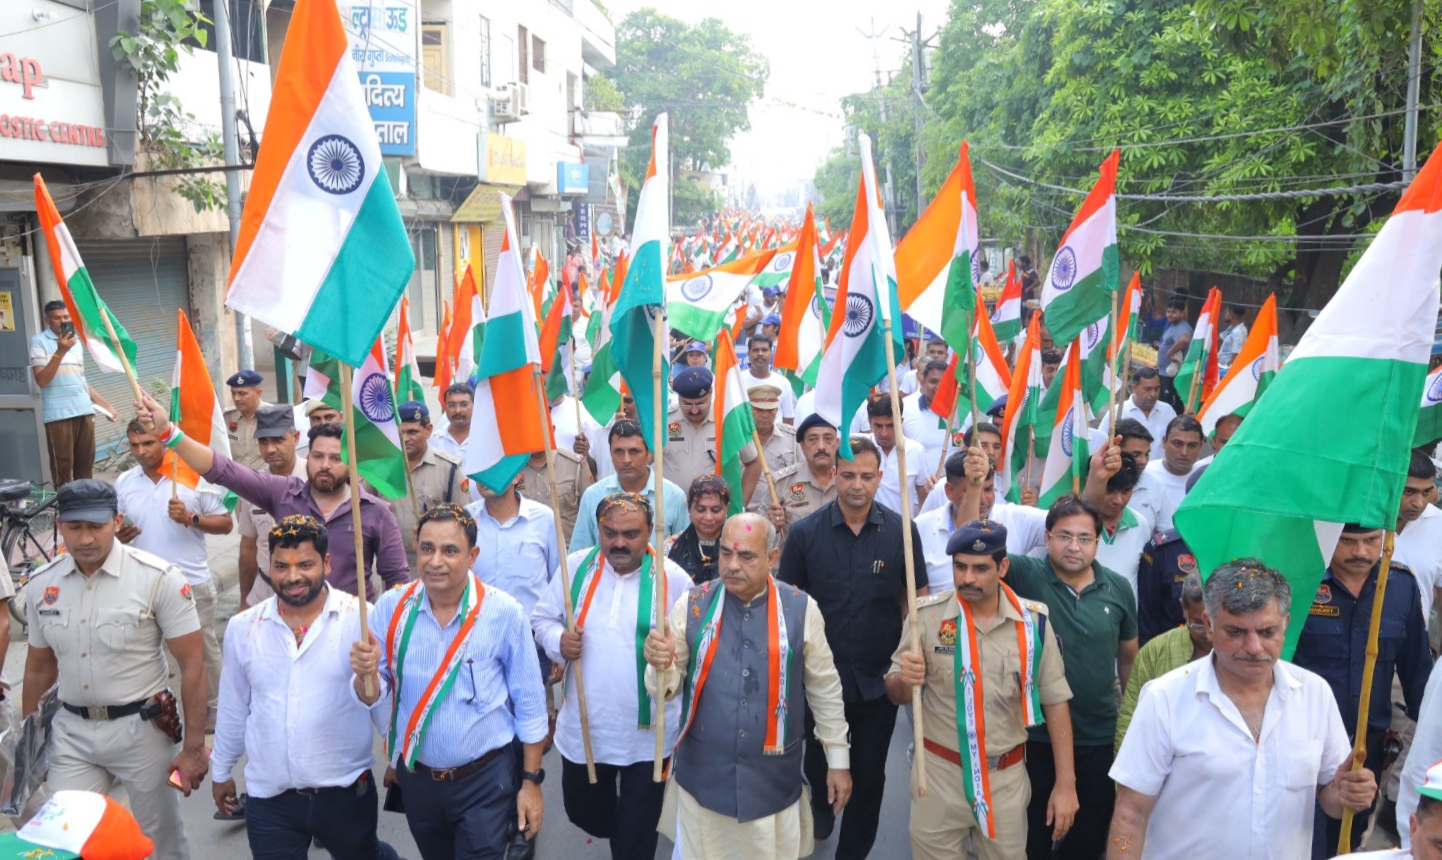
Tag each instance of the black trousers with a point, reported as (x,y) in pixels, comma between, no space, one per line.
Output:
(623,806)
(465,819)
(871,724)
(344,819)
(1326,831)
(1087,839)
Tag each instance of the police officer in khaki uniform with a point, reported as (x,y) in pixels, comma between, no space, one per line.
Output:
(984,611)
(690,448)
(806,485)
(278,441)
(436,477)
(98,615)
(573,476)
(245,391)
(778,440)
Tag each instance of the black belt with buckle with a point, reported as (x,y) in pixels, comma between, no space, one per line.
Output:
(452,774)
(105,712)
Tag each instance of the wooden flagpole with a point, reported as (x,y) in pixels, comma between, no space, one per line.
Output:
(1114,408)
(1369,668)
(348,413)
(765,466)
(971,371)
(1196,377)
(1030,455)
(580,420)
(659,336)
(565,576)
(918,736)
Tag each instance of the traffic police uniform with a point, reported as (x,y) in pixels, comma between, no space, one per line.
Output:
(437,479)
(1164,565)
(573,476)
(781,449)
(240,429)
(106,631)
(941,821)
(689,450)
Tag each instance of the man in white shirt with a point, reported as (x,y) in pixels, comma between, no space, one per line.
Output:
(459,401)
(758,372)
(885,433)
(1110,481)
(1144,406)
(171,521)
(1181,445)
(517,539)
(1422,830)
(1221,435)
(1025,526)
(285,704)
(1418,544)
(608,582)
(1254,741)
(1150,494)
(919,422)
(1232,338)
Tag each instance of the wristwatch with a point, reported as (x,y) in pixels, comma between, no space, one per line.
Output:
(536,776)
(195,519)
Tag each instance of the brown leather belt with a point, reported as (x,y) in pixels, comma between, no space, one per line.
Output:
(452,774)
(1000,762)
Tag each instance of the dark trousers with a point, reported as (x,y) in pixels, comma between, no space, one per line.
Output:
(1170,395)
(623,806)
(1326,831)
(1087,838)
(465,819)
(870,724)
(343,819)
(71,444)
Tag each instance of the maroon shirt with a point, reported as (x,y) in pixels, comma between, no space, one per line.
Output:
(287,495)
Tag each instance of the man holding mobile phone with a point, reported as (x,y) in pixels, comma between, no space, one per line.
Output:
(58,361)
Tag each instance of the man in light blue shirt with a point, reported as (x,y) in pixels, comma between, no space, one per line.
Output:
(518,547)
(632,460)
(1233,337)
(68,402)
(452,729)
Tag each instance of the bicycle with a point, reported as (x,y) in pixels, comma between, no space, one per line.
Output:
(29,535)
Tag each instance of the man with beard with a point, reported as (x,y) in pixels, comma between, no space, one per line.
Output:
(324,494)
(616,578)
(809,483)
(459,399)
(286,705)
(276,437)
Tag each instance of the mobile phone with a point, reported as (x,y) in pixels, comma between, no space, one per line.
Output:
(127,522)
(67,328)
(175,780)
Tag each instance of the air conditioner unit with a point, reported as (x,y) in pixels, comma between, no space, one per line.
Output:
(523,99)
(504,104)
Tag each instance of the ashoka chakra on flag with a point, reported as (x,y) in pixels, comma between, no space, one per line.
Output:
(1063,269)
(859,312)
(335,164)
(375,399)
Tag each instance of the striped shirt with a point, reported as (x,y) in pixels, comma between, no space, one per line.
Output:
(67,395)
(499,673)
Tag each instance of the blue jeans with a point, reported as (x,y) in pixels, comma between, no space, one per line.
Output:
(343,819)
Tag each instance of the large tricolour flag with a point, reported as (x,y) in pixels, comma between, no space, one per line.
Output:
(322,251)
(936,263)
(806,315)
(194,408)
(735,425)
(508,406)
(379,455)
(1067,451)
(1251,373)
(696,304)
(87,312)
(1299,467)
(1083,274)
(643,294)
(854,359)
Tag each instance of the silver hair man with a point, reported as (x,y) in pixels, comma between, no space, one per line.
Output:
(1243,586)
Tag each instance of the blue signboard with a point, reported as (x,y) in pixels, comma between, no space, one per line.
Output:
(391,98)
(572,178)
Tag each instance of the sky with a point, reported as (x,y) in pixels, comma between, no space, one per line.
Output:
(818,54)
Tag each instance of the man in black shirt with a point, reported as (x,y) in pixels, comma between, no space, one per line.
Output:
(849,556)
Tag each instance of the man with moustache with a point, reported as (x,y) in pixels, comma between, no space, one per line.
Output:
(276,438)
(324,494)
(632,461)
(970,471)
(285,704)
(616,579)
(810,482)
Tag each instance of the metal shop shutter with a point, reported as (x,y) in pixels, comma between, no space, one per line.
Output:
(143,281)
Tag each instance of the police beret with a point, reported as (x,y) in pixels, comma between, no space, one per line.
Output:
(978,537)
(693,382)
(812,420)
(998,407)
(415,411)
(771,319)
(87,500)
(245,379)
(272,421)
(1357,528)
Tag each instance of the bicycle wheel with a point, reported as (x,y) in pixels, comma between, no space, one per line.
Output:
(28,545)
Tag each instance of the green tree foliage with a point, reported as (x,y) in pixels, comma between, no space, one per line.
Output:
(705,77)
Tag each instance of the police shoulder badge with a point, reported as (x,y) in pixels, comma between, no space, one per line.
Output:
(674,429)
(52,594)
(798,492)
(1324,594)
(958,439)
(185,592)
(1187,563)
(946,634)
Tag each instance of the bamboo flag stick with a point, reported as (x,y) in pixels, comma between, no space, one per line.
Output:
(1192,389)
(919,738)
(1115,406)
(565,580)
(1369,669)
(941,462)
(659,333)
(765,468)
(1030,455)
(580,421)
(348,412)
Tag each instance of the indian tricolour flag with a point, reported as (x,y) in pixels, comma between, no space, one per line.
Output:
(806,316)
(735,425)
(87,312)
(1083,274)
(993,377)
(854,358)
(322,251)
(1129,311)
(778,270)
(195,409)
(1299,467)
(408,371)
(508,406)
(1198,374)
(937,267)
(380,458)
(1429,414)
(1251,373)
(696,304)
(728,250)
(1067,452)
(555,344)
(603,387)
(1091,346)
(1022,402)
(1006,316)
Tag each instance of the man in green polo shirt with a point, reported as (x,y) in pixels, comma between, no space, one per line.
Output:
(1094,616)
